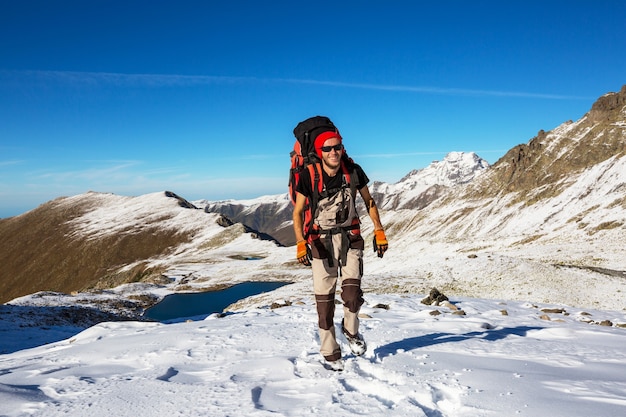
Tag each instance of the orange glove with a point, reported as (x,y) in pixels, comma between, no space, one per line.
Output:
(380,242)
(303,253)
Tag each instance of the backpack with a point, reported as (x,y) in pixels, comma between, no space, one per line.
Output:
(304,157)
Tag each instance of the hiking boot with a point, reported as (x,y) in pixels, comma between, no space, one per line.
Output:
(356,343)
(334,365)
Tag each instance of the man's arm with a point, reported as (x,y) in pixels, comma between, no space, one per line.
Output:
(372,210)
(302,248)
(298,221)
(380,240)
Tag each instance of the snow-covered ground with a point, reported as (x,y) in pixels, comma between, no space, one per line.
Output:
(499,359)
(542,335)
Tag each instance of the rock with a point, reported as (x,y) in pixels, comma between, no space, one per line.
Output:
(435,298)
(181,201)
(279,304)
(553,310)
(224,221)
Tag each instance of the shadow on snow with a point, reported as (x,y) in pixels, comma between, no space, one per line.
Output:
(412,343)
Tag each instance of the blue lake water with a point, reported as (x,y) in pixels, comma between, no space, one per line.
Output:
(175,306)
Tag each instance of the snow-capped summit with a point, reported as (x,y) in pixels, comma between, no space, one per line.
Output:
(272,214)
(456,168)
(420,187)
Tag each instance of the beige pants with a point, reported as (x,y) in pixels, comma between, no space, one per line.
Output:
(325,278)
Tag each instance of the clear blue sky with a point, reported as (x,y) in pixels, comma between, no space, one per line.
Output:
(200,97)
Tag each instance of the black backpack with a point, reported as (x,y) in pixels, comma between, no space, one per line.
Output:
(304,157)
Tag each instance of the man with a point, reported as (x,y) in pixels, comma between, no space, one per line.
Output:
(335,247)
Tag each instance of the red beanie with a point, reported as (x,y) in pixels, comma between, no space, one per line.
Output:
(323,137)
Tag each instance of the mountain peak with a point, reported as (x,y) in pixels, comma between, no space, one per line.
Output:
(570,148)
(455,168)
(608,103)
(420,187)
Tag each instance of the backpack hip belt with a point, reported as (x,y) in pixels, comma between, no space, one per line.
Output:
(354,228)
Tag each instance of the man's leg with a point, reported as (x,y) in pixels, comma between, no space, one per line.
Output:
(352,296)
(351,292)
(324,286)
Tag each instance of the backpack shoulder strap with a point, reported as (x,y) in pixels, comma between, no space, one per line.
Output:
(349,173)
(315,173)
(317,185)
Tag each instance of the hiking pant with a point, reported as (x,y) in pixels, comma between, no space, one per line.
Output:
(345,263)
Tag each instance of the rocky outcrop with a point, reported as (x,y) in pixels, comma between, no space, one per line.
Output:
(570,148)
(270,219)
(181,201)
(605,107)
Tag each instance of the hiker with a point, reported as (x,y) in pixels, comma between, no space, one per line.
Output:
(334,246)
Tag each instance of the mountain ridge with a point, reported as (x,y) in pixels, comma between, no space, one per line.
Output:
(416,190)
(555,203)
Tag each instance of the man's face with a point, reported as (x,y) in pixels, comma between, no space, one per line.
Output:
(332,158)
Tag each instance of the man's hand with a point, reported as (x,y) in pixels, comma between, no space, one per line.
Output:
(380,242)
(303,253)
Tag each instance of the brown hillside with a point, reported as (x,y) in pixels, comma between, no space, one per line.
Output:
(551,156)
(39,252)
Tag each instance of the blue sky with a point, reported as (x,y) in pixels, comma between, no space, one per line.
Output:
(201,97)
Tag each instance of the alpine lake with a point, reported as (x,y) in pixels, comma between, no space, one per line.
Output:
(179,306)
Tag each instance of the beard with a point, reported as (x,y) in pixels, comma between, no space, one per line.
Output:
(332,163)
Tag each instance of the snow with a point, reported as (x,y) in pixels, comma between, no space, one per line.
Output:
(542,334)
(455,169)
(259,361)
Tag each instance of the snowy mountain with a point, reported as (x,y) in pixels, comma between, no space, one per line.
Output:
(269,214)
(96,241)
(421,187)
(530,252)
(568,184)
(272,214)
(548,213)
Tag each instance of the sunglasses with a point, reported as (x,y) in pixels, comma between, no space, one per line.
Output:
(330,148)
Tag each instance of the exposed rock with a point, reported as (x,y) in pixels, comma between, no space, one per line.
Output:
(181,201)
(280,304)
(224,221)
(553,310)
(536,167)
(435,298)
(605,106)
(269,219)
